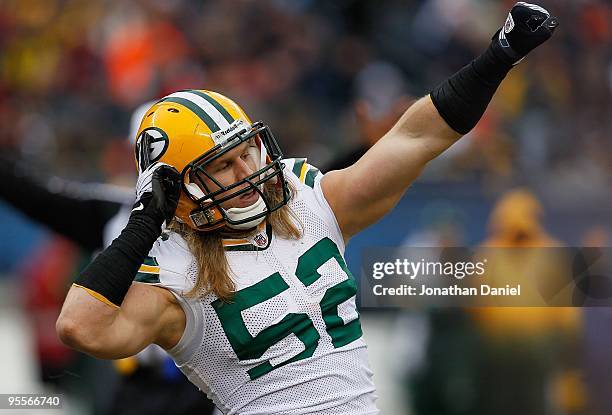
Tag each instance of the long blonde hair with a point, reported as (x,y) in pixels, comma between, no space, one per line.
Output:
(207,247)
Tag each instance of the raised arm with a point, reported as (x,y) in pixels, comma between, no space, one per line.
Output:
(364,192)
(106,315)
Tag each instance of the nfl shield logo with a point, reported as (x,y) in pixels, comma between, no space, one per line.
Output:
(509,24)
(260,240)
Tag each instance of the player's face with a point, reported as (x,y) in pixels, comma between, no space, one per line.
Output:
(234,166)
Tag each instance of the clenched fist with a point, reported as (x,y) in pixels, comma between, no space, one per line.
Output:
(157,192)
(527,26)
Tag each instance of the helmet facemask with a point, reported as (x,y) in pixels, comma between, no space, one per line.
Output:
(209,214)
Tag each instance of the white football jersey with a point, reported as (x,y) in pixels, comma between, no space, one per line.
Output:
(290,341)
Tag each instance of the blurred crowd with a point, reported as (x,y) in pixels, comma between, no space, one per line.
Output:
(71,72)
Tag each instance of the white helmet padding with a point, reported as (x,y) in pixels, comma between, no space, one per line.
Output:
(195,190)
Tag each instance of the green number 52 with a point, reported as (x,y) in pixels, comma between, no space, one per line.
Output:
(253,347)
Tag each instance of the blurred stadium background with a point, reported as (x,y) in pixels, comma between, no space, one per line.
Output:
(329,77)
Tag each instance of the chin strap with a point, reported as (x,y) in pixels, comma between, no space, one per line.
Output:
(237,214)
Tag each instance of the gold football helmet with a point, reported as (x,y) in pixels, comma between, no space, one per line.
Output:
(190,129)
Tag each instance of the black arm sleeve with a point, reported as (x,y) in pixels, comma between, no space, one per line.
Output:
(110,274)
(463,98)
(76,211)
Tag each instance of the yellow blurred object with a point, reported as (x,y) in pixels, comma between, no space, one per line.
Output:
(126,366)
(516,223)
(569,392)
(512,93)
(502,322)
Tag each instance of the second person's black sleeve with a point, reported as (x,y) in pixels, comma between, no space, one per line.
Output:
(77,211)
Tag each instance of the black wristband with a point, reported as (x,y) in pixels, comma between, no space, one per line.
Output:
(463,98)
(111,273)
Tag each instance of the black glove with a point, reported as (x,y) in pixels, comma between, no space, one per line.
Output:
(111,273)
(527,27)
(157,193)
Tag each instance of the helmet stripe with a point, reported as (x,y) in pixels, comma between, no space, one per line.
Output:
(215,104)
(206,106)
(202,108)
(210,123)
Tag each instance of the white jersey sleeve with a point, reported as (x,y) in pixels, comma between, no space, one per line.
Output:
(171,265)
(168,265)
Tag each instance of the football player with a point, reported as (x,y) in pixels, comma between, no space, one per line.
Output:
(247,288)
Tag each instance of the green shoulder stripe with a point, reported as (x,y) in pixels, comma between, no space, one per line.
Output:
(310,176)
(297,167)
(147,278)
(150,260)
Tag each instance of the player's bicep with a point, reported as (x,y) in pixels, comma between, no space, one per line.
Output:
(109,332)
(149,314)
(134,326)
(364,192)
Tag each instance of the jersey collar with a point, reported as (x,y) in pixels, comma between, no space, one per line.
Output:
(259,241)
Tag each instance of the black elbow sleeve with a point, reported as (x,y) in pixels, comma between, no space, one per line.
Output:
(462,99)
(111,273)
